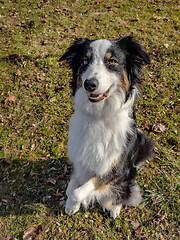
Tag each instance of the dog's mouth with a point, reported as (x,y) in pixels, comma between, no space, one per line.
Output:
(99,97)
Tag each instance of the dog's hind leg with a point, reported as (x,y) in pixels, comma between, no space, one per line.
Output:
(114,209)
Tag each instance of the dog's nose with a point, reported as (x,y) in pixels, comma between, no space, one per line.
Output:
(91,84)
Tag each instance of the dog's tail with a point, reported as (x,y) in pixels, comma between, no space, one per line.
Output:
(146,149)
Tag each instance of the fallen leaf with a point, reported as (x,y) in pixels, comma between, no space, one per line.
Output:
(51,180)
(135,224)
(10,99)
(18,73)
(58,193)
(25,84)
(166,45)
(147,126)
(53,99)
(30,233)
(159,128)
(4,201)
(60,88)
(40,76)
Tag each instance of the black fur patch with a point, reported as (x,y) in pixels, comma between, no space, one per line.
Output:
(74,57)
(138,149)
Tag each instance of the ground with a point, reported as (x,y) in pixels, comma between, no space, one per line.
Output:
(35,107)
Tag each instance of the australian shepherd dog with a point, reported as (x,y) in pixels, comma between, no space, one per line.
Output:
(105,146)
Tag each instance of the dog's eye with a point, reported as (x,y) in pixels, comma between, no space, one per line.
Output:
(85,61)
(112,61)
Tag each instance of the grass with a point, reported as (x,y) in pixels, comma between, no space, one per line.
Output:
(35,107)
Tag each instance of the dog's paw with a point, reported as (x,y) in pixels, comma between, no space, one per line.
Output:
(86,203)
(72,205)
(115,212)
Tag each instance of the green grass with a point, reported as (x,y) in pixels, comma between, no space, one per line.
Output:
(35,107)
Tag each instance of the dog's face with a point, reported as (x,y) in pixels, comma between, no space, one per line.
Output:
(103,68)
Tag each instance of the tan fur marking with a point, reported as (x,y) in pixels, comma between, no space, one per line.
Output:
(96,182)
(89,54)
(108,55)
(125,83)
(115,163)
(99,186)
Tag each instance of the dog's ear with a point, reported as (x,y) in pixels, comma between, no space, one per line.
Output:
(134,50)
(72,53)
(135,56)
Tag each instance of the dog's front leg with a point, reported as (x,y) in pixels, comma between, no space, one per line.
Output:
(81,193)
(76,197)
(73,184)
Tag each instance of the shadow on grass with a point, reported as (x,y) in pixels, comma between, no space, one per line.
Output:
(28,186)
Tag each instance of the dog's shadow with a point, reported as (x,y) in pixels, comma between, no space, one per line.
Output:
(26,186)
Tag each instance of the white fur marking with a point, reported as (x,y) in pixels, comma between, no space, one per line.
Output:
(115,212)
(71,186)
(84,191)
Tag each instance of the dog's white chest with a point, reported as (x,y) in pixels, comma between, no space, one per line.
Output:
(94,145)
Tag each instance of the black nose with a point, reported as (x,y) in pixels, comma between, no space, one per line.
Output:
(91,84)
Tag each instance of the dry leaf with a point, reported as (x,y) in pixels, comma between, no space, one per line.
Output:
(53,99)
(60,88)
(159,128)
(10,99)
(135,224)
(30,233)
(18,73)
(147,126)
(25,84)
(51,180)
(40,76)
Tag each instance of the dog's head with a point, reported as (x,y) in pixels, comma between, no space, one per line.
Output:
(103,68)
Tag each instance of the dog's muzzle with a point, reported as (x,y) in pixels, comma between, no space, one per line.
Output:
(91,84)
(99,97)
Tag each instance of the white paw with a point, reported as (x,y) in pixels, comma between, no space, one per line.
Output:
(72,205)
(115,212)
(86,202)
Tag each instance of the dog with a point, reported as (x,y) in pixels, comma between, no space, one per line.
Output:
(105,146)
